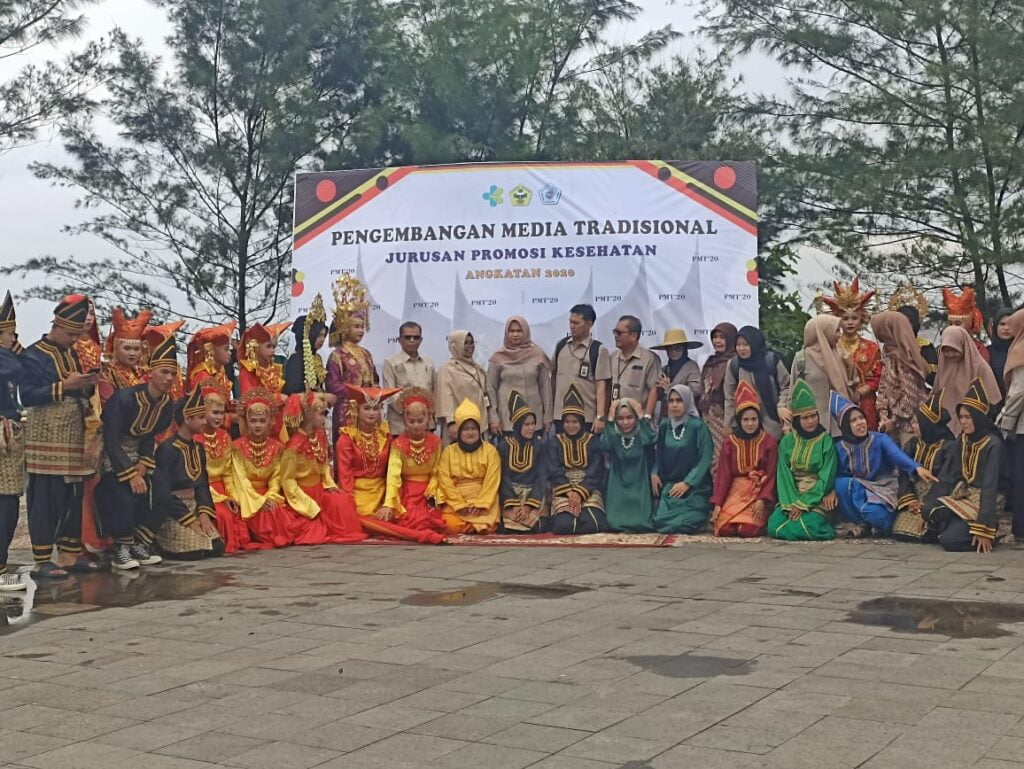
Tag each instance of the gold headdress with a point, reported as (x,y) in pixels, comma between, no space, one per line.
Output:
(313,364)
(848,298)
(350,302)
(907,295)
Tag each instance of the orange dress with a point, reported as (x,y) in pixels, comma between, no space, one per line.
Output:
(220,472)
(89,354)
(257,480)
(312,494)
(362,474)
(252,375)
(866,358)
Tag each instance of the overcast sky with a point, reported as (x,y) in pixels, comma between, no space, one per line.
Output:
(32,212)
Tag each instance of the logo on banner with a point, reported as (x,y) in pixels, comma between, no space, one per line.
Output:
(493,196)
(549,195)
(520,196)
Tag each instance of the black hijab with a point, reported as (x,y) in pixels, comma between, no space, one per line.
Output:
(805,434)
(757,364)
(847,432)
(469,448)
(911,314)
(932,433)
(983,424)
(998,348)
(675,366)
(737,430)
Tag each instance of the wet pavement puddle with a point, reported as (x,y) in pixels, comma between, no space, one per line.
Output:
(92,592)
(484,591)
(958,619)
(691,665)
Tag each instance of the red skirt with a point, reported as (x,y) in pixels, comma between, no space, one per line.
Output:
(274,528)
(418,512)
(232,527)
(337,520)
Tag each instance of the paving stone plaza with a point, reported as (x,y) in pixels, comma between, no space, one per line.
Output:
(761,654)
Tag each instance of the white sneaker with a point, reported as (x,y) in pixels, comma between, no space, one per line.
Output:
(122,559)
(10,582)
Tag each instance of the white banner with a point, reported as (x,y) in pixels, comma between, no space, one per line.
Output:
(467,246)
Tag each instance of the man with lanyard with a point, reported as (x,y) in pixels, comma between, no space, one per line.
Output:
(583,361)
(635,369)
(56,391)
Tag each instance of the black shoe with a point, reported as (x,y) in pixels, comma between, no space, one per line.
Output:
(122,558)
(141,553)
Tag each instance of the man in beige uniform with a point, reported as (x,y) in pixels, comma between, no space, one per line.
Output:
(581,360)
(635,369)
(407,369)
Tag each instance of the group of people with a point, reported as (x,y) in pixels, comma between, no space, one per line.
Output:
(122,455)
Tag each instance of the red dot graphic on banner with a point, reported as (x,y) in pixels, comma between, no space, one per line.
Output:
(326,190)
(725,177)
(752,277)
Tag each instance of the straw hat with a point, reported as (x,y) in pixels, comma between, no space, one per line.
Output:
(676,336)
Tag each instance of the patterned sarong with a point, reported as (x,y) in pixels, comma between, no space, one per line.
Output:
(12,458)
(55,439)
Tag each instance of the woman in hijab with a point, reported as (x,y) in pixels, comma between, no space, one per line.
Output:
(928,351)
(459,379)
(762,368)
(712,404)
(821,366)
(577,472)
(626,439)
(522,366)
(1011,418)
(966,518)
(1002,337)
(524,474)
(806,475)
(904,373)
(681,478)
(867,484)
(468,476)
(960,364)
(744,489)
(933,447)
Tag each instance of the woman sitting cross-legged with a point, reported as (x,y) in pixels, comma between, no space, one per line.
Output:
(867,485)
(966,518)
(932,446)
(682,477)
(745,479)
(468,476)
(524,475)
(577,473)
(806,474)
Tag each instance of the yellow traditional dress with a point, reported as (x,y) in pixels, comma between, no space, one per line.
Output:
(256,473)
(469,479)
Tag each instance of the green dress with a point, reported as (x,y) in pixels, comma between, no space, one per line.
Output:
(628,498)
(806,473)
(684,455)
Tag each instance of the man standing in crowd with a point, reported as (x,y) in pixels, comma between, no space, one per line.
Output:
(635,369)
(581,360)
(132,419)
(12,441)
(407,369)
(57,391)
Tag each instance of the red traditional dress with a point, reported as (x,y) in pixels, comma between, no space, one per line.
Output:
(362,473)
(863,356)
(745,475)
(257,480)
(321,513)
(220,470)
(251,373)
(202,371)
(411,484)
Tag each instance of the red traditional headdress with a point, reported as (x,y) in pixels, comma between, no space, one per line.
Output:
(258,398)
(963,308)
(411,395)
(296,406)
(126,328)
(848,299)
(204,340)
(258,334)
(211,392)
(154,335)
(746,397)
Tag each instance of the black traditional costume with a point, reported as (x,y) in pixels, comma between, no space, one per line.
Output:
(577,467)
(12,441)
(524,476)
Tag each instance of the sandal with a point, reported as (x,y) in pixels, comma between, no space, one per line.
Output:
(82,564)
(49,570)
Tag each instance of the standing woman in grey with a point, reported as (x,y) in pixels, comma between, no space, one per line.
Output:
(460,378)
(762,368)
(522,366)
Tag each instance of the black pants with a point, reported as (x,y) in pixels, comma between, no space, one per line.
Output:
(590,521)
(54,515)
(123,514)
(953,532)
(1015,471)
(8,523)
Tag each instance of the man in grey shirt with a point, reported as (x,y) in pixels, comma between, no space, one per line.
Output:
(407,369)
(582,360)
(635,369)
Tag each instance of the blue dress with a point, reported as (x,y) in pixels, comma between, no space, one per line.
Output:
(867,483)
